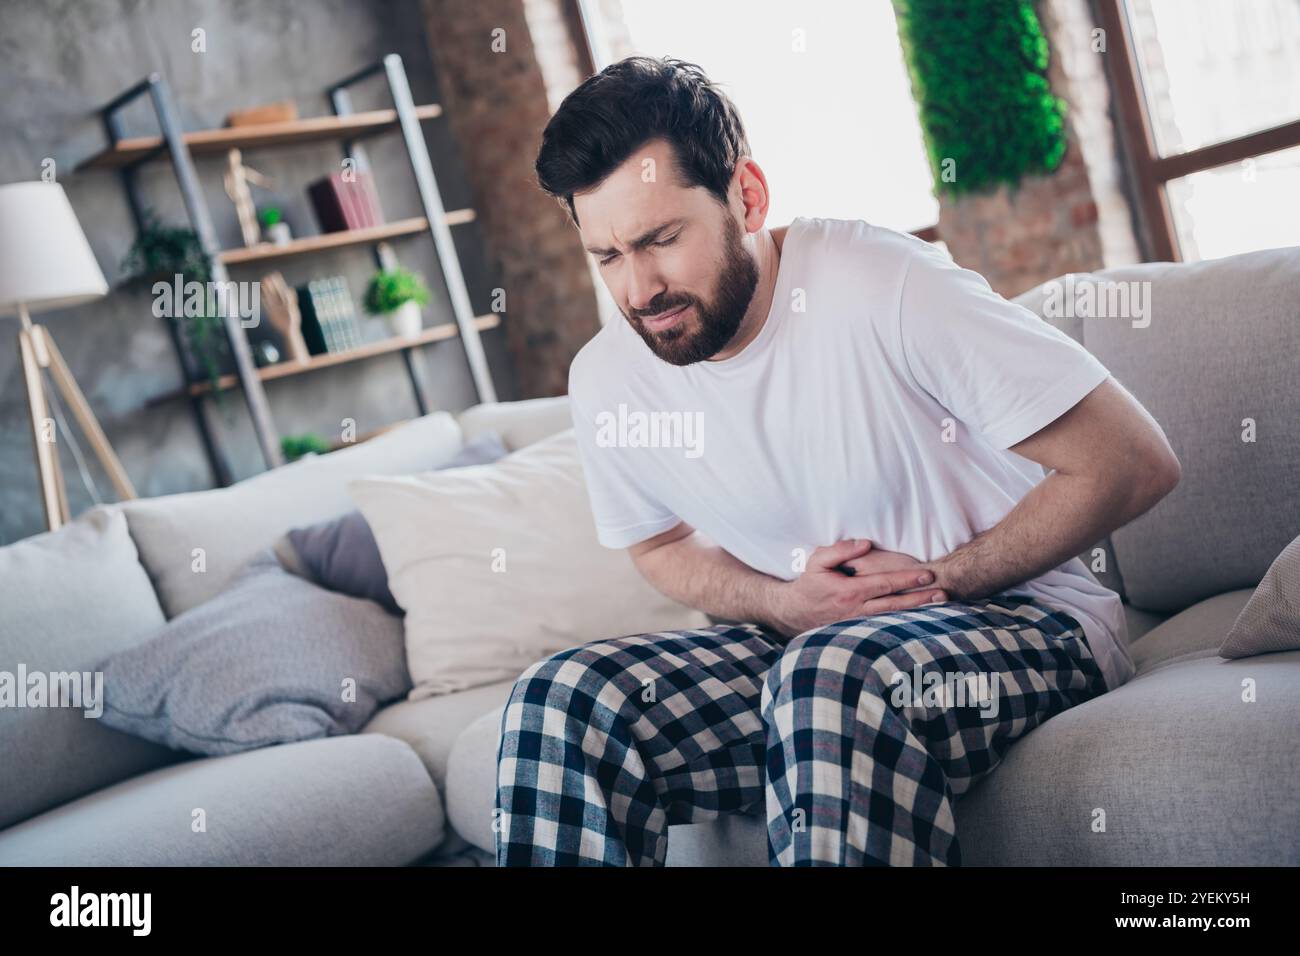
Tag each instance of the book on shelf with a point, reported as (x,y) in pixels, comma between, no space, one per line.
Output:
(329,319)
(367,198)
(327,200)
(346,203)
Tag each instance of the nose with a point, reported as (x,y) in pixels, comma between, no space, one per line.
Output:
(644,285)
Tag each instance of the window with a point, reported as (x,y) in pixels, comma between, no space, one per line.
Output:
(1209,94)
(822,89)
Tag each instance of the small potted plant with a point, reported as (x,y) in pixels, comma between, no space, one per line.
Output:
(398,294)
(274,227)
(296,446)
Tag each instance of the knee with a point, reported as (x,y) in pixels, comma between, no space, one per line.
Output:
(576,682)
(823,662)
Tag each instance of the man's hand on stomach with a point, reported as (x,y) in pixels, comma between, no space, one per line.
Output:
(849,579)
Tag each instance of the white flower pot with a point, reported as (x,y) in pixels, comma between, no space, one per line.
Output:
(279,234)
(406,320)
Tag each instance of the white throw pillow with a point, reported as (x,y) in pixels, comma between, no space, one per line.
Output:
(497,566)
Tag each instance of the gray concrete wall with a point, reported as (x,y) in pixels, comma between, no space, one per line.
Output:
(60,61)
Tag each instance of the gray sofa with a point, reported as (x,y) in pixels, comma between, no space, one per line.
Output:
(1178,766)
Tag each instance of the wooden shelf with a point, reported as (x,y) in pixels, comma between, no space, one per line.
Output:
(438,333)
(338,240)
(137,149)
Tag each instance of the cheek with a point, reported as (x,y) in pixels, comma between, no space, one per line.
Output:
(688,271)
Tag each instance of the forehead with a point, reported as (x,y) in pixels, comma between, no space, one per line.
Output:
(643,192)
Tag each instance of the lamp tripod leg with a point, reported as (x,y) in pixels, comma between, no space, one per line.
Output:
(54,496)
(71,393)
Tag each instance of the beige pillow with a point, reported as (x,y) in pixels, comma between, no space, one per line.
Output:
(1270,621)
(497,566)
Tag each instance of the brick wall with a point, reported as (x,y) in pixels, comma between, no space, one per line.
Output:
(1076,219)
(497,104)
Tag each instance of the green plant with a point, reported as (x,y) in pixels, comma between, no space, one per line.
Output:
(295,446)
(270,216)
(979,76)
(164,251)
(390,289)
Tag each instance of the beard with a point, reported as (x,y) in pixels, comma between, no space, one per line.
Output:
(717,321)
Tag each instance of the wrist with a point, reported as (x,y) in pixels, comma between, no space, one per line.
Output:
(945,578)
(772,603)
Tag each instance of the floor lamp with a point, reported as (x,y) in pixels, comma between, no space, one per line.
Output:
(46,263)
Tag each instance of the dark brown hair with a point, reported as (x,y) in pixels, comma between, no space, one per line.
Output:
(625,105)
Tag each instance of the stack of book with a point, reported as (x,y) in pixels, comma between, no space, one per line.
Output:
(343,204)
(329,317)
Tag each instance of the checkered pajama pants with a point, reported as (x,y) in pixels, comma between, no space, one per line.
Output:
(846,736)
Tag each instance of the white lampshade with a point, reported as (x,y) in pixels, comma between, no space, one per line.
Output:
(45,260)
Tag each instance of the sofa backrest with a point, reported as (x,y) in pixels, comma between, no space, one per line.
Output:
(192,544)
(518,423)
(1212,350)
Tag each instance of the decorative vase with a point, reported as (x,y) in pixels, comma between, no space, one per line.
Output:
(406,321)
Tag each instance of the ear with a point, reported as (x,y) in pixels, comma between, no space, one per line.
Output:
(752,184)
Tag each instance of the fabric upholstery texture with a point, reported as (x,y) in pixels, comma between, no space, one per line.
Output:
(341,554)
(193,544)
(273,659)
(1270,621)
(71,597)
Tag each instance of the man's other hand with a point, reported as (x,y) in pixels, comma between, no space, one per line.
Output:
(826,592)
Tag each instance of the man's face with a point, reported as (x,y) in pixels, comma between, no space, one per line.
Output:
(663,249)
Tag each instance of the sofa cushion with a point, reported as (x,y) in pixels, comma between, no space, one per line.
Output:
(733,839)
(471,790)
(1217,355)
(71,597)
(1270,621)
(1199,629)
(1139,622)
(272,659)
(230,525)
(498,567)
(432,725)
(518,423)
(470,798)
(346,801)
(1179,765)
(340,554)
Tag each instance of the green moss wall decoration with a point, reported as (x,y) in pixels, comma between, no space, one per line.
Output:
(979,76)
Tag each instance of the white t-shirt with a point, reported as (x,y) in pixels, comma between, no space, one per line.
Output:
(877,401)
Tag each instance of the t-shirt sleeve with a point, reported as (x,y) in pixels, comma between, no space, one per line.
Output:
(995,365)
(625,511)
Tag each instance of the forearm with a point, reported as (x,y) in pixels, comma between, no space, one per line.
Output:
(696,572)
(1056,520)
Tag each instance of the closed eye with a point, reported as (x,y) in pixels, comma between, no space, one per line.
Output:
(666,242)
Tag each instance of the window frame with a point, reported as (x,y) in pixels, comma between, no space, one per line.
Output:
(1151,171)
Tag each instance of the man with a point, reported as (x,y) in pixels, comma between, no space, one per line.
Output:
(897,468)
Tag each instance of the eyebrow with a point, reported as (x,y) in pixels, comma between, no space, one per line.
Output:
(641,241)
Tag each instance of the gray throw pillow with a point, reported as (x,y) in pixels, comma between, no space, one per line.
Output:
(1270,621)
(270,660)
(341,554)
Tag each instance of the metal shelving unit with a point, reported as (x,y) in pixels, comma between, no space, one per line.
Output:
(347,127)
